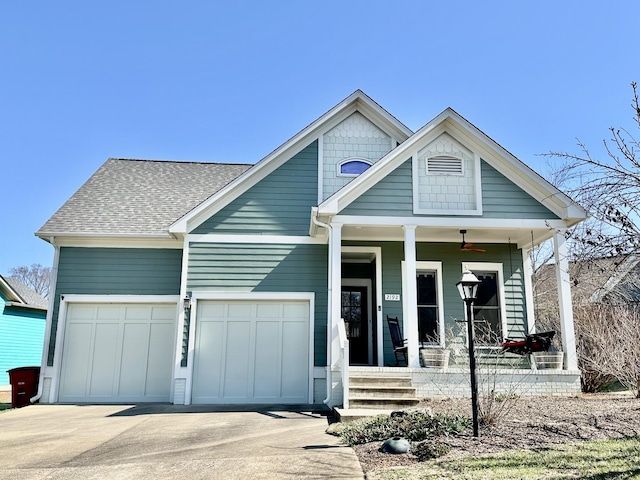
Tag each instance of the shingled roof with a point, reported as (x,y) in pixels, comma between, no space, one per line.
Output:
(138,197)
(21,295)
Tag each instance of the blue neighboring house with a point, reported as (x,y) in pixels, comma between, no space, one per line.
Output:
(23,315)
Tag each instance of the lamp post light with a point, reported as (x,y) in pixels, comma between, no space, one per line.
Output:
(468,288)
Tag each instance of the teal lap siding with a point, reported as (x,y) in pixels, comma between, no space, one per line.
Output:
(279,204)
(115,271)
(252,267)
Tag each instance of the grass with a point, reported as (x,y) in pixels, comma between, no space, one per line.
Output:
(597,460)
(5,406)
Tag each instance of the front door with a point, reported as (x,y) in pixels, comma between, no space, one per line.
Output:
(355,315)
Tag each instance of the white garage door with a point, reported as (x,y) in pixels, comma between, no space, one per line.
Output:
(251,352)
(118,353)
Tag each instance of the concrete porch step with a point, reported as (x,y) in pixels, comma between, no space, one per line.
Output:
(387,403)
(364,391)
(358,381)
(349,415)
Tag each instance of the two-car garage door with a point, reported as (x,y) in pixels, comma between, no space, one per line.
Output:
(115,353)
(251,352)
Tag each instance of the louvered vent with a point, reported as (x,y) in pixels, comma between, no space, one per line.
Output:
(443,165)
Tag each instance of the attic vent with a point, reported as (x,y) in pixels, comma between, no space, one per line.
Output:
(443,165)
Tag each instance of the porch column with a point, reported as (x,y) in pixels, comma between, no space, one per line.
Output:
(527,272)
(564,301)
(335,291)
(410,314)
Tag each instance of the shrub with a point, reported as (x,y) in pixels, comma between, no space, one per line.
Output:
(414,426)
(430,449)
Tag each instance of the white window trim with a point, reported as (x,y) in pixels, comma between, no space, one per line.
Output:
(492,267)
(437,266)
(348,160)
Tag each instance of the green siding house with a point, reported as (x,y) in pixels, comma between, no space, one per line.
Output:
(22,322)
(217,283)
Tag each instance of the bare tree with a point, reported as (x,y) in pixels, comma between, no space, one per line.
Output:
(37,277)
(608,188)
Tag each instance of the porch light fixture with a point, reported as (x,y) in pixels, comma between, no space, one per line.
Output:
(468,288)
(186,303)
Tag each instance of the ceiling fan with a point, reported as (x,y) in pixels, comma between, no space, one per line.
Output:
(466,246)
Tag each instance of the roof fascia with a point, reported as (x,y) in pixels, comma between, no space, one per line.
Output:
(113,241)
(490,151)
(10,293)
(356,102)
(517,171)
(25,306)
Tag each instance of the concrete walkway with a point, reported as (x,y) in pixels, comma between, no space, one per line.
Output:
(168,442)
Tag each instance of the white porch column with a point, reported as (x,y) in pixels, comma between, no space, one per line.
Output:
(564,301)
(527,271)
(410,313)
(335,291)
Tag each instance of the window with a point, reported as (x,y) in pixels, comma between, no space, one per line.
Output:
(353,167)
(429,303)
(427,306)
(489,310)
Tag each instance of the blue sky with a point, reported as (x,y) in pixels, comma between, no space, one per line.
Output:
(230,81)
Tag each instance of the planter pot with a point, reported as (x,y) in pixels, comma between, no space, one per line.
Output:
(548,360)
(434,357)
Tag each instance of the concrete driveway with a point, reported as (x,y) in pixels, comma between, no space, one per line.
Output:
(169,442)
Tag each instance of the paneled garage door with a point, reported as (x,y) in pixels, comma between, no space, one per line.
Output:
(118,353)
(251,352)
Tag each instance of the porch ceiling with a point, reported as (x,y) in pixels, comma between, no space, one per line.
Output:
(520,236)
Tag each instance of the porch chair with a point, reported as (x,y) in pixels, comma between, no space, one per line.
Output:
(399,343)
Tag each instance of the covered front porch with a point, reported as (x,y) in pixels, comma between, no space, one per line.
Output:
(409,273)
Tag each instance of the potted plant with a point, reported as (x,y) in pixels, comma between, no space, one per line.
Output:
(553,359)
(436,357)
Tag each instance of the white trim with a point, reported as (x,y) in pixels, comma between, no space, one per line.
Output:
(493,267)
(565,306)
(197,296)
(270,239)
(437,266)
(527,271)
(65,300)
(178,369)
(364,282)
(461,130)
(49,321)
(377,252)
(117,242)
(349,160)
(506,223)
(320,168)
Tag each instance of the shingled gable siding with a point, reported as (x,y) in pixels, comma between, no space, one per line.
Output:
(115,271)
(280,204)
(252,267)
(452,259)
(501,198)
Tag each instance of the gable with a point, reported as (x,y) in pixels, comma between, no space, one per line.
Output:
(500,197)
(279,204)
(355,140)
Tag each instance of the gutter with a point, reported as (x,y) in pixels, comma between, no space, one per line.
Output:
(314,219)
(47,330)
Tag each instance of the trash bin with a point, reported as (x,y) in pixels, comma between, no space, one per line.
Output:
(24,385)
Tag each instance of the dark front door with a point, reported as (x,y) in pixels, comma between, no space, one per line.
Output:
(355,315)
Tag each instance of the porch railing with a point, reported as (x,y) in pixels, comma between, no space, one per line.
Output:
(344,362)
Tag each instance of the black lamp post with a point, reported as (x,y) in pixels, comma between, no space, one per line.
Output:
(468,288)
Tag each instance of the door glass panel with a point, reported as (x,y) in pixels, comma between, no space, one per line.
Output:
(486,309)
(426,284)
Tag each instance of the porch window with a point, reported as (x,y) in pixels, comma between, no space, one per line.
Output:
(489,309)
(429,303)
(428,331)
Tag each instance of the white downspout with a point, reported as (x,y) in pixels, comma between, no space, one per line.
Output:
(314,219)
(47,331)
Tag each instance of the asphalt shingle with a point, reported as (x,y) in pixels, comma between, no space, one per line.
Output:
(139,197)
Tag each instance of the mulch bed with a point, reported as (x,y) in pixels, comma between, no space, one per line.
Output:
(530,423)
